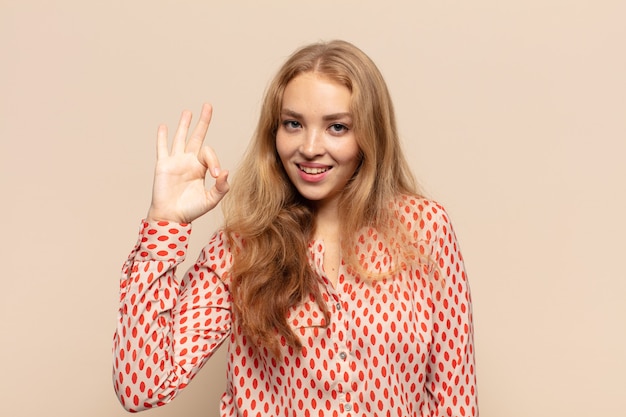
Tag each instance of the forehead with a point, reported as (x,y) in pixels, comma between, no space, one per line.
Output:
(313,92)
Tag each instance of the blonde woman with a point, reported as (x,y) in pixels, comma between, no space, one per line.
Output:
(339,289)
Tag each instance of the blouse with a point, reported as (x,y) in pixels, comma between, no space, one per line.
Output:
(400,345)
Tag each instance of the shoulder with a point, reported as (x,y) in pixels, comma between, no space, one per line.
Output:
(431,233)
(422,216)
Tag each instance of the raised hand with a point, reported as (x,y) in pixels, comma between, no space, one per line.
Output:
(178,192)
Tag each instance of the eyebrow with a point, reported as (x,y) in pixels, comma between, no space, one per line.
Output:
(328,117)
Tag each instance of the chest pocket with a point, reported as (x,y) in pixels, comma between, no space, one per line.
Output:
(306,315)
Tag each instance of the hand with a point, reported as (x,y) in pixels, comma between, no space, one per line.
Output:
(179,194)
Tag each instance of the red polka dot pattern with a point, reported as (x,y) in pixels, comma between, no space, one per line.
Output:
(400,346)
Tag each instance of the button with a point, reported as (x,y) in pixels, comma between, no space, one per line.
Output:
(348,407)
(343,355)
(338,306)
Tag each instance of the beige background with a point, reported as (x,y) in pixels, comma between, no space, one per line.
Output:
(512,112)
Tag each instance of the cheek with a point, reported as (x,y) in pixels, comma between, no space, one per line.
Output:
(281,147)
(351,153)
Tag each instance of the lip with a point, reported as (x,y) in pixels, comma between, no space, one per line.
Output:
(313,177)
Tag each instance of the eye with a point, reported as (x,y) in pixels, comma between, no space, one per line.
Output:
(291,125)
(338,128)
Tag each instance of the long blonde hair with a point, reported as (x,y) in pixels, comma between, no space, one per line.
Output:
(270,225)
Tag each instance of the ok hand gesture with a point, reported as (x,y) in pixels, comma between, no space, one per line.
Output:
(179,193)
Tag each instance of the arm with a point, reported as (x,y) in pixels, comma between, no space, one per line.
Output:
(451,373)
(166,332)
(161,339)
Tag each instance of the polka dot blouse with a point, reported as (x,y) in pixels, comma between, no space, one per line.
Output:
(399,346)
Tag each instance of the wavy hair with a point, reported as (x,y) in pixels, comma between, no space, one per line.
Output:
(270,226)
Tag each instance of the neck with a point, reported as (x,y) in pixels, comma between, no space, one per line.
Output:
(327,221)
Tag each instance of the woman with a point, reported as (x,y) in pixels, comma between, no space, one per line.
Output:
(340,289)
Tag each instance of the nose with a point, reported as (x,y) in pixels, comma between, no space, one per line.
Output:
(312,145)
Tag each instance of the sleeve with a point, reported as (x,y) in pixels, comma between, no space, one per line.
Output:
(451,377)
(166,330)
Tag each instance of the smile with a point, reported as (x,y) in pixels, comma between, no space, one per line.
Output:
(312,171)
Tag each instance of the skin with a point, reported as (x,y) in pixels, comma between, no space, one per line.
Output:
(315,140)
(178,192)
(319,152)
(316,145)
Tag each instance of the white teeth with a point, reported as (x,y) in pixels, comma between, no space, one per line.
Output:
(312,171)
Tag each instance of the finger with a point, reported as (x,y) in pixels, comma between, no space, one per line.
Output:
(215,194)
(221,183)
(208,158)
(162,141)
(199,132)
(178,146)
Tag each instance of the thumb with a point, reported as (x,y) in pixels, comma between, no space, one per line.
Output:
(221,182)
(219,189)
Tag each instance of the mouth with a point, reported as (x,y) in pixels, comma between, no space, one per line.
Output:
(313,170)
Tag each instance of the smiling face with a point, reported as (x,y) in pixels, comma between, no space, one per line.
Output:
(315,138)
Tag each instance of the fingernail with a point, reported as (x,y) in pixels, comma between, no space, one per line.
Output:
(216,171)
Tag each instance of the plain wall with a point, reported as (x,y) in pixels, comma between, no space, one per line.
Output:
(512,113)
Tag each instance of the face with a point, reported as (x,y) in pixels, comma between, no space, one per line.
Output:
(315,140)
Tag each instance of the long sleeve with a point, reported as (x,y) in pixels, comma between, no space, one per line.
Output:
(451,377)
(399,345)
(167,329)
